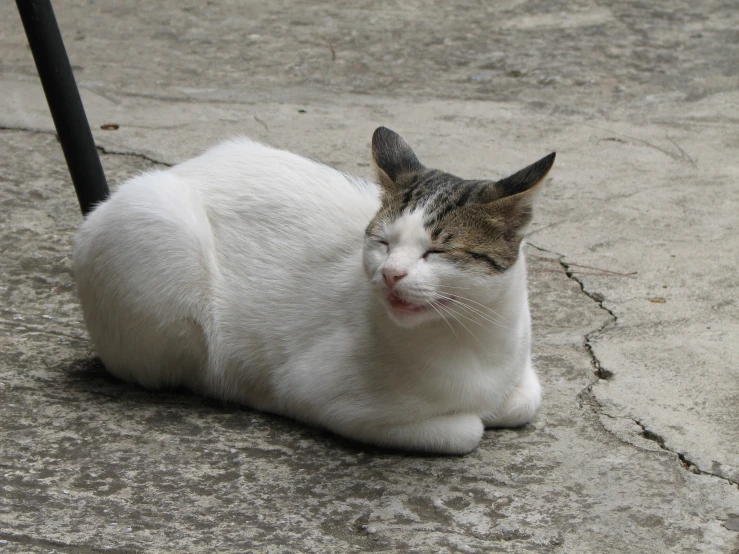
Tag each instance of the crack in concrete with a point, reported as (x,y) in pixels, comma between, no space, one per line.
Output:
(599,370)
(605,374)
(687,464)
(101,149)
(108,152)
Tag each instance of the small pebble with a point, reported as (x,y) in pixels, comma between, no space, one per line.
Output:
(732,524)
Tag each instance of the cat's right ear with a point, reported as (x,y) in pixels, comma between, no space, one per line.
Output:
(394,157)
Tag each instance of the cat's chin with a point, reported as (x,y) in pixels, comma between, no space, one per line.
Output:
(411,319)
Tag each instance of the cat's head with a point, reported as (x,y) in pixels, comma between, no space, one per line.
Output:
(440,241)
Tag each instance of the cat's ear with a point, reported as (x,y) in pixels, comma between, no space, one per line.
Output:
(512,198)
(526,179)
(394,157)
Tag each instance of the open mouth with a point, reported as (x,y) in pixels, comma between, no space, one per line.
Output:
(397,303)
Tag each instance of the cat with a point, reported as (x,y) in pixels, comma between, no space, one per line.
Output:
(391,313)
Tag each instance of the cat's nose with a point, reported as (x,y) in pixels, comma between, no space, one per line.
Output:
(392,276)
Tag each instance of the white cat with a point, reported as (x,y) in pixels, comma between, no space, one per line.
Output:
(395,314)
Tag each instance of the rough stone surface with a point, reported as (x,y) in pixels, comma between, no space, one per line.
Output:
(636,448)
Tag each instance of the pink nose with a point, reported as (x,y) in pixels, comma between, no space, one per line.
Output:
(392,276)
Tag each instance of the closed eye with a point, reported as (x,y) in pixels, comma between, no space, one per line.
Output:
(487,260)
(426,254)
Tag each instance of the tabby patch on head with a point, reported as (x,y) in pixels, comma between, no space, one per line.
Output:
(475,224)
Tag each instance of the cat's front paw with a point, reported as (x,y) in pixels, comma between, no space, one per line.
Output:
(520,405)
(455,434)
(448,434)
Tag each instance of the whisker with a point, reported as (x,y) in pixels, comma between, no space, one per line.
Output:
(446,309)
(478,303)
(461,288)
(445,320)
(483,315)
(465,316)
(474,302)
(486,317)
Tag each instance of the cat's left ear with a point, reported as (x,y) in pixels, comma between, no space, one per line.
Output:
(526,179)
(394,157)
(513,197)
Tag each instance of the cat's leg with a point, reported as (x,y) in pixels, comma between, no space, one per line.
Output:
(520,404)
(142,271)
(447,434)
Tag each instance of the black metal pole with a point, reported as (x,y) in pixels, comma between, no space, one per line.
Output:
(64,101)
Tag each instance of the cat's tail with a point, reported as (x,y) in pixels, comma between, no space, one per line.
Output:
(144,264)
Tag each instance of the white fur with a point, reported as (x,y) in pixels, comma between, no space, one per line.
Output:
(242,274)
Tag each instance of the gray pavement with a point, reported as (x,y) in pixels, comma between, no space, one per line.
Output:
(633,281)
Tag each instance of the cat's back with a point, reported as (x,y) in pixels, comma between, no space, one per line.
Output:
(242,181)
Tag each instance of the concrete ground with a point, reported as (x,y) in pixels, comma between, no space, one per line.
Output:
(636,448)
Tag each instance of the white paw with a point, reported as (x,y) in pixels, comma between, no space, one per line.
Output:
(449,434)
(519,408)
(461,434)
